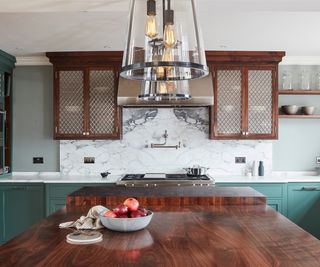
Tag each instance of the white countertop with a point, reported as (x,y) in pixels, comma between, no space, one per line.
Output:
(54,177)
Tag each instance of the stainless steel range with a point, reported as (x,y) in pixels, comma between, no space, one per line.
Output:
(162,179)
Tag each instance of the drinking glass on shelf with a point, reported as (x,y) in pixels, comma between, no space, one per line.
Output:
(286,80)
(304,83)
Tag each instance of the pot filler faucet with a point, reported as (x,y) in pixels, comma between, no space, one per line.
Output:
(164,144)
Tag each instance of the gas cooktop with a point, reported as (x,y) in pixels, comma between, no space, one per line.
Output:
(161,179)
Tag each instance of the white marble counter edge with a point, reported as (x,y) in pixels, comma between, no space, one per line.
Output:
(56,177)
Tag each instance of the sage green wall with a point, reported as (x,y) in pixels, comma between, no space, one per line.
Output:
(33,120)
(299,139)
(296,149)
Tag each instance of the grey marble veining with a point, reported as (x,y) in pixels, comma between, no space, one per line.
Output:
(143,126)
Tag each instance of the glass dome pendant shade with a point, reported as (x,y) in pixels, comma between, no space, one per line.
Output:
(164,42)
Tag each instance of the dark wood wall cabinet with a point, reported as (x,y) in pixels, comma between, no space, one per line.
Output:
(245,94)
(85,95)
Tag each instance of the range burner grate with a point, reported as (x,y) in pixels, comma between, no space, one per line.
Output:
(140,177)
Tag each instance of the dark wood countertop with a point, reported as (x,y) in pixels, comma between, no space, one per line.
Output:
(195,235)
(227,236)
(166,196)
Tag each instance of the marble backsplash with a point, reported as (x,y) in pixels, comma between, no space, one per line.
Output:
(143,126)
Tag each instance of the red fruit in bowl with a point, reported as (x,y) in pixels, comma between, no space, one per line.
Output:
(120,210)
(143,210)
(137,214)
(123,216)
(131,203)
(110,214)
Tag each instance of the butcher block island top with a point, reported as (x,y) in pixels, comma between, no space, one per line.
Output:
(208,232)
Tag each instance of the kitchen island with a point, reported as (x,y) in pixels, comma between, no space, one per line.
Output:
(187,233)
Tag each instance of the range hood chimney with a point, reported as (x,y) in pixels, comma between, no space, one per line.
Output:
(201,91)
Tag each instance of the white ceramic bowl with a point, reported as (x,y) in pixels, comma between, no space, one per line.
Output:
(126,224)
(308,110)
(290,109)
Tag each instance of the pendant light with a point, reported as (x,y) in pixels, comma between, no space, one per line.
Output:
(164,43)
(164,91)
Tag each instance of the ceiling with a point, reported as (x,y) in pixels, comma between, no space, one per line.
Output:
(33,27)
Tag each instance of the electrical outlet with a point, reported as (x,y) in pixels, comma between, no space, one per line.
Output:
(88,160)
(318,160)
(37,160)
(240,160)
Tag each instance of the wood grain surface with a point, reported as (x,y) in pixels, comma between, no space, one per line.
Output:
(239,236)
(166,196)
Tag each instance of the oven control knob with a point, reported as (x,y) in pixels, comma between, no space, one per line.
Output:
(147,185)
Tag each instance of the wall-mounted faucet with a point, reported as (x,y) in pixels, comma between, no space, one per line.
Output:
(164,144)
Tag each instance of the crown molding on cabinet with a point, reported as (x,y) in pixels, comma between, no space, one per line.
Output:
(33,61)
(287,60)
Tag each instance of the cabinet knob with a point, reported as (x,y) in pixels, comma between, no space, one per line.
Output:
(84,133)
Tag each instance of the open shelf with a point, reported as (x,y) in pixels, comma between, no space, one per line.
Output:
(298,92)
(284,116)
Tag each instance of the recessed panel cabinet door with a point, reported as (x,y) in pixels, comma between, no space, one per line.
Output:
(70,96)
(22,206)
(304,206)
(103,110)
(261,101)
(228,103)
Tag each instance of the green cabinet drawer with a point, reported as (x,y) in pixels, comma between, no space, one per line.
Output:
(62,190)
(304,206)
(56,194)
(22,205)
(56,204)
(276,204)
(276,193)
(267,189)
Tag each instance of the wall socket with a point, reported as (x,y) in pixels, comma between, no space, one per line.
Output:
(37,160)
(88,160)
(240,160)
(318,160)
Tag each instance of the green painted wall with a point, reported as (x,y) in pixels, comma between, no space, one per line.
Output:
(33,120)
(299,139)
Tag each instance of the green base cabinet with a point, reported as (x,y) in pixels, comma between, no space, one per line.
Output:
(304,206)
(276,193)
(21,205)
(56,194)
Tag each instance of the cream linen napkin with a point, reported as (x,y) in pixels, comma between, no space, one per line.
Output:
(91,221)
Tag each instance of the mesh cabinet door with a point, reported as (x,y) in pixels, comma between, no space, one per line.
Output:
(260,102)
(103,120)
(71,103)
(228,93)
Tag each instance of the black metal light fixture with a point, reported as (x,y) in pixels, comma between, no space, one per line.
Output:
(164,43)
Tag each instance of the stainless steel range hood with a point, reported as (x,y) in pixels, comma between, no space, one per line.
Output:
(201,91)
